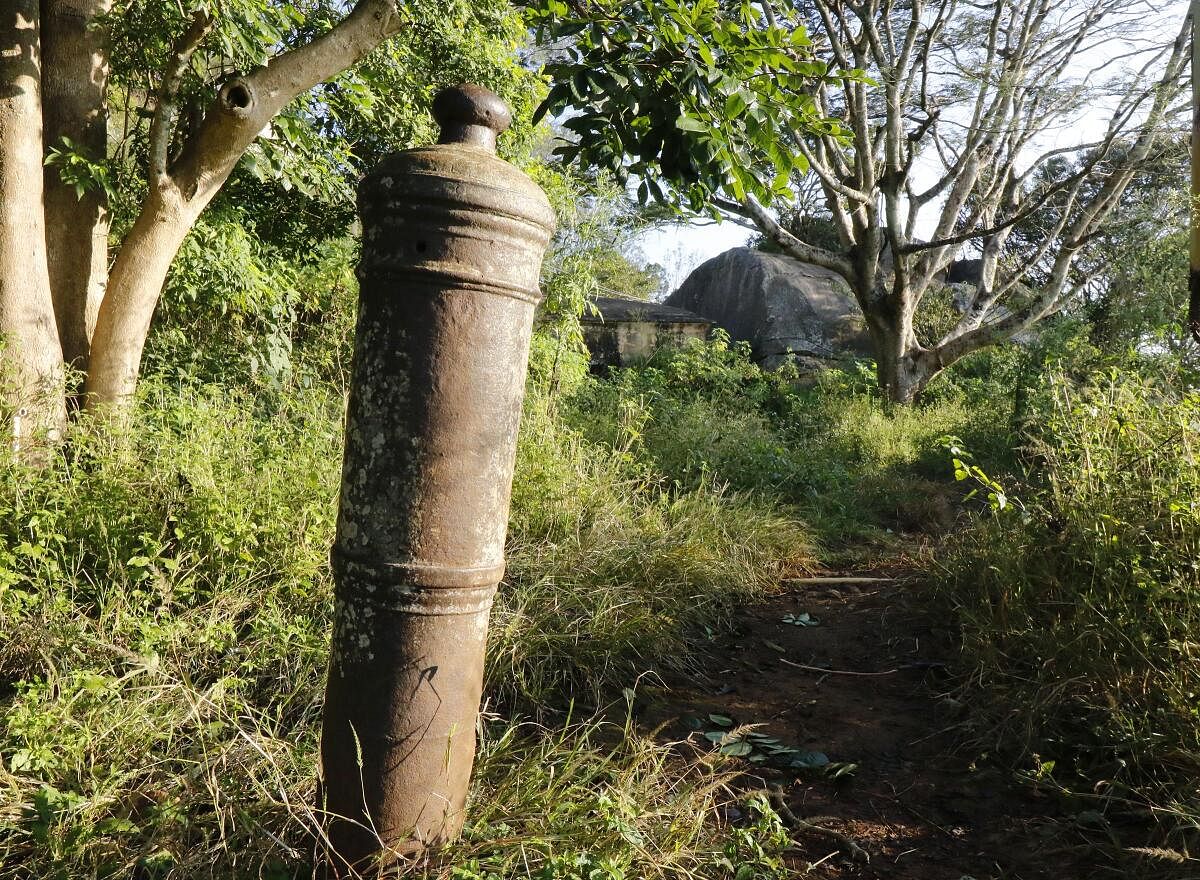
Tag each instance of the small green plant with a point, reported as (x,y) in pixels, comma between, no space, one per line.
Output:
(966,470)
(81,172)
(755,851)
(756,747)
(802,619)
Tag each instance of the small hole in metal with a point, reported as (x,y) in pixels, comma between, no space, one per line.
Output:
(421,247)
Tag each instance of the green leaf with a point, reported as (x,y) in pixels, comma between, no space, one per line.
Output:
(736,749)
(647,73)
(735,105)
(91,681)
(689,123)
(804,619)
(809,760)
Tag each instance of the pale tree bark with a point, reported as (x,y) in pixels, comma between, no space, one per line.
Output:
(74,80)
(184,181)
(32,353)
(1013,69)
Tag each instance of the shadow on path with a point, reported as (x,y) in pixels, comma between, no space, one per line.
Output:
(921,805)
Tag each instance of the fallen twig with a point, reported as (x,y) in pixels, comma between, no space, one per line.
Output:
(810,826)
(828,581)
(821,669)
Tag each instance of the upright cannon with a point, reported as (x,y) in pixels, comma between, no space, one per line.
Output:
(453,240)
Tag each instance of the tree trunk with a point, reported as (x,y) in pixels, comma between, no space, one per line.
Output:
(32,355)
(75,65)
(134,286)
(900,365)
(899,375)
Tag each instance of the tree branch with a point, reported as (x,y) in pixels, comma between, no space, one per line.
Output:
(957,345)
(792,245)
(166,100)
(245,105)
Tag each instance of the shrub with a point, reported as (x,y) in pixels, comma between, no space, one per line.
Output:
(1080,608)
(166,602)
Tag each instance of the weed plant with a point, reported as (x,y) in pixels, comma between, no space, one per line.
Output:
(1079,604)
(166,601)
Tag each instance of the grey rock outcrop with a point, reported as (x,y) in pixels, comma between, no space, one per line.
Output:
(780,305)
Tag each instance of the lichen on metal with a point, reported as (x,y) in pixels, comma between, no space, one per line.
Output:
(453,240)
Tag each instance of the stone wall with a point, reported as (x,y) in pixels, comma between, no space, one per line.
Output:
(628,331)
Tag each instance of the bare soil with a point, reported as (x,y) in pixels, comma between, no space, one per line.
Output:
(920,802)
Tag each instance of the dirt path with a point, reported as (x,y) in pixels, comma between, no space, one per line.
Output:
(916,802)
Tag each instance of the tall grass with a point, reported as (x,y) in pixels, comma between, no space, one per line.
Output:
(1080,605)
(612,564)
(851,467)
(165,597)
(165,600)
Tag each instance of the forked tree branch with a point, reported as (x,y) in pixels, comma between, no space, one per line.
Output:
(243,107)
(167,97)
(791,244)
(246,104)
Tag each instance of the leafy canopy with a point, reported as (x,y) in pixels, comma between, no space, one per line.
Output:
(701,101)
(322,142)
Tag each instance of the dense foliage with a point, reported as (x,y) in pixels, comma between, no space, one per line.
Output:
(1079,601)
(694,100)
(249,266)
(164,587)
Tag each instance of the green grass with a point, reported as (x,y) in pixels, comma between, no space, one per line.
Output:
(165,592)
(856,472)
(166,603)
(611,565)
(1079,605)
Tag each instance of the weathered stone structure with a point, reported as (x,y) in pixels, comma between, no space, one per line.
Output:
(627,331)
(783,307)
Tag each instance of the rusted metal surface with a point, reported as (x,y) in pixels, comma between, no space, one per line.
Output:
(1193,317)
(453,239)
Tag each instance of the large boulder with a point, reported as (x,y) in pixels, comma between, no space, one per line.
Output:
(780,305)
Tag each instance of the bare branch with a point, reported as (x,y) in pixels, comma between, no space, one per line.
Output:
(958,344)
(792,245)
(982,88)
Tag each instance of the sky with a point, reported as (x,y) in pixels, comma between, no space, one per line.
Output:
(680,248)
